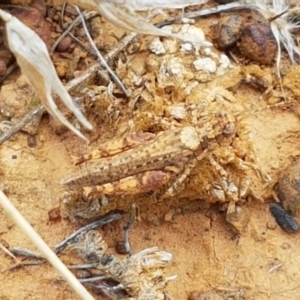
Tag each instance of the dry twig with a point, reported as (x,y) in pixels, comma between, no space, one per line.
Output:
(100,57)
(43,247)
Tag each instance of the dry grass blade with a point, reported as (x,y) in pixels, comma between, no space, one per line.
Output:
(124,17)
(34,60)
(122,14)
(43,247)
(100,57)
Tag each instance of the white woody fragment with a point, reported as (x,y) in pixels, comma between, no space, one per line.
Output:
(224,65)
(157,47)
(192,33)
(205,64)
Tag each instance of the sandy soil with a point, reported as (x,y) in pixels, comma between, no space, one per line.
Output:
(206,253)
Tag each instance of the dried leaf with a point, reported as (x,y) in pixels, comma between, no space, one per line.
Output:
(137,5)
(122,14)
(35,63)
(124,17)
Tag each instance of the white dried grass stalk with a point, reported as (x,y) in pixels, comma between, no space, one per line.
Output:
(44,248)
(100,57)
(142,5)
(136,5)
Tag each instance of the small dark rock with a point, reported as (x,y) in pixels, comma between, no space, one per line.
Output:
(31,141)
(121,248)
(54,215)
(284,218)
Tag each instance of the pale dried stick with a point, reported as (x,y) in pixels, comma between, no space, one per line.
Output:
(100,57)
(44,248)
(72,36)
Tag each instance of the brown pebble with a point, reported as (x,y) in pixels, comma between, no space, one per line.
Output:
(3,68)
(121,248)
(272,225)
(195,295)
(54,215)
(229,30)
(258,43)
(80,32)
(288,187)
(31,141)
(64,44)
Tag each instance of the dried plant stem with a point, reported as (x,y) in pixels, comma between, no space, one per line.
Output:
(5,250)
(76,21)
(110,217)
(43,248)
(26,119)
(100,57)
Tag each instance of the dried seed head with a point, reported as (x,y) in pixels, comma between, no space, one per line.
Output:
(282,24)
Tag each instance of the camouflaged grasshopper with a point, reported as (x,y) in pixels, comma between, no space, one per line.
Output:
(143,162)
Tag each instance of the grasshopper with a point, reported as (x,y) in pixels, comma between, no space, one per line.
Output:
(143,162)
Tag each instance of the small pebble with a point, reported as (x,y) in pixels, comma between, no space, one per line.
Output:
(54,215)
(157,47)
(205,64)
(31,141)
(64,44)
(272,225)
(121,248)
